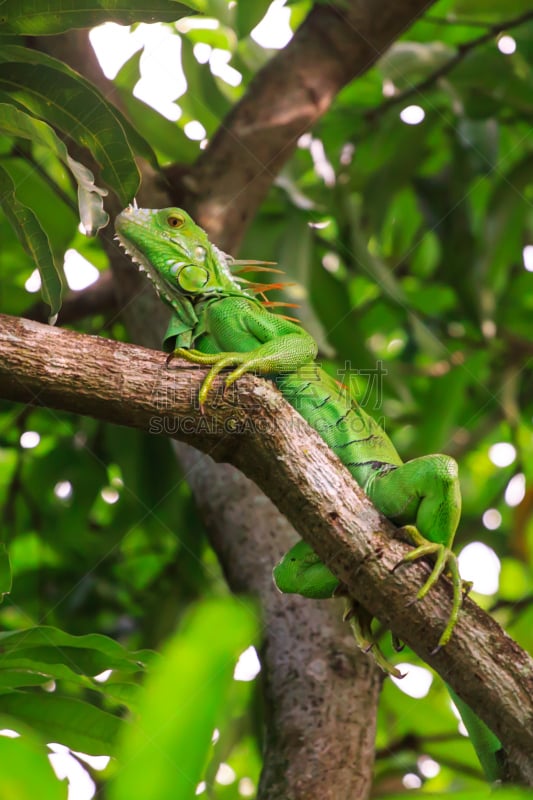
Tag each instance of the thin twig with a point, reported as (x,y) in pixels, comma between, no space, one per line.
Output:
(410,741)
(462,51)
(464,23)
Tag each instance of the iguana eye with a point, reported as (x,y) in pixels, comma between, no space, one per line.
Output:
(175,220)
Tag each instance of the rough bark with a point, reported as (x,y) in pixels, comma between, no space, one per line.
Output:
(252,430)
(314,685)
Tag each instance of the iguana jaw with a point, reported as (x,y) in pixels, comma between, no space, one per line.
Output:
(162,253)
(163,288)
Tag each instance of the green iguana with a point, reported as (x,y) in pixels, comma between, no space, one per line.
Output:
(219,321)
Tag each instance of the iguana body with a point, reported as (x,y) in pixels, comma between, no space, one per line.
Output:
(220,323)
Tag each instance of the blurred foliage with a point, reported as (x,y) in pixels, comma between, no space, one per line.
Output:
(406,243)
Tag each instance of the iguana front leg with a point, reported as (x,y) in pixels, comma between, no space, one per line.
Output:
(217,361)
(251,339)
(267,359)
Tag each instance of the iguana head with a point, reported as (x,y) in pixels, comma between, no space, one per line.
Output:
(175,253)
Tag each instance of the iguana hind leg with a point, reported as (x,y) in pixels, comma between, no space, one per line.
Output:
(300,571)
(425,492)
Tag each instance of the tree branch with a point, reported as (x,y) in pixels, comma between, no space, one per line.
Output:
(255,430)
(458,21)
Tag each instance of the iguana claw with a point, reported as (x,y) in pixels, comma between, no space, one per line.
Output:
(360,621)
(218,362)
(445,559)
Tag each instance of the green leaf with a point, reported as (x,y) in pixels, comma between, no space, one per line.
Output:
(425,255)
(248,15)
(29,18)
(13,678)
(6,578)
(73,650)
(63,664)
(430,300)
(74,723)
(34,240)
(17,123)
(491,8)
(401,224)
(27,772)
(445,397)
(505,218)
(390,158)
(203,100)
(296,258)
(162,755)
(32,673)
(165,136)
(67,662)
(56,218)
(215,8)
(17,672)
(50,90)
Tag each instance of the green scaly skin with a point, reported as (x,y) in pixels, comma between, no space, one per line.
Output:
(218,323)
